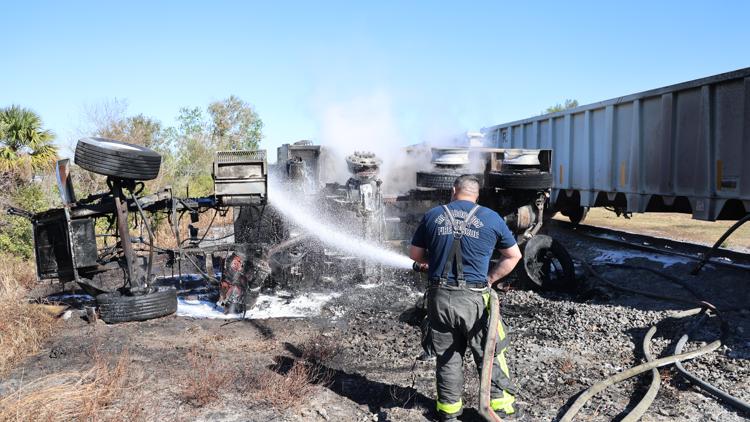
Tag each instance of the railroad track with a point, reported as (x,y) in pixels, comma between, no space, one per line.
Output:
(721,257)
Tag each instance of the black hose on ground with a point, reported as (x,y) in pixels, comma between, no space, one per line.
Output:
(705,386)
(718,243)
(648,398)
(676,280)
(669,277)
(615,286)
(602,385)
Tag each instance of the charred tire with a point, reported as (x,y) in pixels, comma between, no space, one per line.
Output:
(529,181)
(114,308)
(437,180)
(428,179)
(547,264)
(117,159)
(577,215)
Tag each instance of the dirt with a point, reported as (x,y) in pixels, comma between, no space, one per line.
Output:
(366,343)
(674,226)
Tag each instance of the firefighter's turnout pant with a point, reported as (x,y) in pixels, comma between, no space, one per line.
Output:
(459,318)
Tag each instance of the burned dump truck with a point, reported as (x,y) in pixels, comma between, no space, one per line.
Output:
(105,242)
(516,183)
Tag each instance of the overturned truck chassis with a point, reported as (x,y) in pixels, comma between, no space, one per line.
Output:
(91,241)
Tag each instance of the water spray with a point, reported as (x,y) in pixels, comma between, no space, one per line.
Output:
(331,235)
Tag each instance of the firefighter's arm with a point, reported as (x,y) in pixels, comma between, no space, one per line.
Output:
(508,259)
(418,254)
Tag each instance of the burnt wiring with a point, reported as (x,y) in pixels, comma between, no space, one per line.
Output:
(217,211)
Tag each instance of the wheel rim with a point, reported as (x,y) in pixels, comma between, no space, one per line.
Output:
(548,265)
(547,269)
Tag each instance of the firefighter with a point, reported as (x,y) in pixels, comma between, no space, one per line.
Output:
(455,242)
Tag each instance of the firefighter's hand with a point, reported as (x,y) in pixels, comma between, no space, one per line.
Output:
(420,267)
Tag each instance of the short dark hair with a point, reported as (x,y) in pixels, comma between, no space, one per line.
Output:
(467,182)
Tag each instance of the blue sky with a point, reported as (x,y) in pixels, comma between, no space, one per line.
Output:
(353,72)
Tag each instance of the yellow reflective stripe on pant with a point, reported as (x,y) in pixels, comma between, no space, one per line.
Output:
(449,408)
(504,403)
(503,342)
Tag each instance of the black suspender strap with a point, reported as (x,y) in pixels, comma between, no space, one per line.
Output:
(459,228)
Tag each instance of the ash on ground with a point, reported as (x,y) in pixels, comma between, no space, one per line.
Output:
(363,341)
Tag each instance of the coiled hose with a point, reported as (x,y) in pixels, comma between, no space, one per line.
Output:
(652,364)
(734,401)
(628,373)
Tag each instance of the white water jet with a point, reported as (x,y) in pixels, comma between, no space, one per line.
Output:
(326,233)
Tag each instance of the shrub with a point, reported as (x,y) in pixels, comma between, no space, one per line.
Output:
(206,379)
(16,235)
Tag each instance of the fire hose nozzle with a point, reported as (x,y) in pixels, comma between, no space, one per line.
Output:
(420,268)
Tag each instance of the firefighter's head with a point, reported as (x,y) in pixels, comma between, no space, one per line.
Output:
(466,187)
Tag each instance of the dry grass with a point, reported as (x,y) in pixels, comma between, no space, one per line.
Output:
(72,396)
(320,350)
(672,226)
(23,326)
(290,383)
(289,390)
(165,237)
(206,379)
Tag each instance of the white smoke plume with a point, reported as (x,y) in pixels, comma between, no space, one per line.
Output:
(368,123)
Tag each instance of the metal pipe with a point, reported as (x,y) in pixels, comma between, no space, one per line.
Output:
(286,244)
(150,237)
(121,208)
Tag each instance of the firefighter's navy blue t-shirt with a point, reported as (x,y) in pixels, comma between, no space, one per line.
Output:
(483,234)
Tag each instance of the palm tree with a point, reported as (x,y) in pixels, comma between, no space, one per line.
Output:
(24,145)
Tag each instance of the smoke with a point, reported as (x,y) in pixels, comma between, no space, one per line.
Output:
(368,123)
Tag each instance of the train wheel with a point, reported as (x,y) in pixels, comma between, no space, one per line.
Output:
(577,215)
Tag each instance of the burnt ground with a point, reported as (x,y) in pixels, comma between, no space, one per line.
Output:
(367,341)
